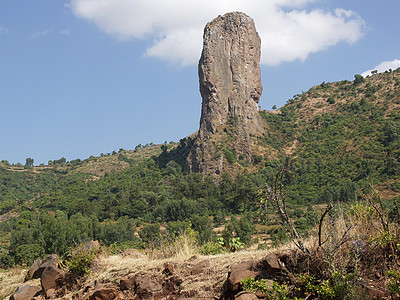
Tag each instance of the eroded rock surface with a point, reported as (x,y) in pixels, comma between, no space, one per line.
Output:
(230,86)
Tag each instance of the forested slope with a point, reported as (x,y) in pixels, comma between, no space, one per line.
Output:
(338,140)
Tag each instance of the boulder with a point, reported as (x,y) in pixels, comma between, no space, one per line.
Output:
(51,260)
(24,292)
(36,264)
(51,294)
(146,287)
(105,292)
(246,296)
(271,266)
(238,273)
(93,246)
(127,284)
(200,267)
(50,278)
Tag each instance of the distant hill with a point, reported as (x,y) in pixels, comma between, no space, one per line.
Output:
(338,141)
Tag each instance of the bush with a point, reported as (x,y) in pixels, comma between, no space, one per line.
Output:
(331,100)
(6,260)
(276,291)
(117,247)
(150,234)
(80,260)
(26,254)
(212,248)
(358,79)
(394,282)
(235,244)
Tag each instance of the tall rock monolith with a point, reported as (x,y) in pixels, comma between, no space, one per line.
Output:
(230,86)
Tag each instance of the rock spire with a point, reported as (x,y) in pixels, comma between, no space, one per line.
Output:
(230,86)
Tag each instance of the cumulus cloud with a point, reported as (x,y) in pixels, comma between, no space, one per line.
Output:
(289,30)
(384,66)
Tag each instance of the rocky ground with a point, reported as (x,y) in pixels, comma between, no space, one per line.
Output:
(133,275)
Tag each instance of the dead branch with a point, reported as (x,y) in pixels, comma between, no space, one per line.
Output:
(327,210)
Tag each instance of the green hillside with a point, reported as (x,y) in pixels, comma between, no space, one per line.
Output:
(338,141)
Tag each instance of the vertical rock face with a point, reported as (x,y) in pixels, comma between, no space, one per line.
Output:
(230,86)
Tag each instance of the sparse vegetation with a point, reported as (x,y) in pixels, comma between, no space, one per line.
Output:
(339,142)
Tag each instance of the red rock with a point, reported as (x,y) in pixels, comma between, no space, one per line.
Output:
(24,292)
(271,265)
(50,276)
(127,284)
(51,294)
(200,267)
(147,287)
(105,293)
(51,260)
(237,274)
(246,296)
(36,264)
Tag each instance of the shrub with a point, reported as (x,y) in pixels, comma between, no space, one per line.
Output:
(212,248)
(150,234)
(26,254)
(80,260)
(235,244)
(358,79)
(394,281)
(276,291)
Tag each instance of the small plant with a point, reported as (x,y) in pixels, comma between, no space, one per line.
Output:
(80,260)
(212,248)
(324,289)
(275,291)
(331,100)
(394,282)
(235,244)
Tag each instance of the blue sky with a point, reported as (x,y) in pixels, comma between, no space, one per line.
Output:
(84,77)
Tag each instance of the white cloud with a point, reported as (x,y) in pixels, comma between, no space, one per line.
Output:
(39,34)
(3,30)
(65,31)
(384,66)
(288,31)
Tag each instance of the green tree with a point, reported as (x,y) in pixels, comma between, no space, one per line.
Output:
(358,79)
(203,225)
(150,234)
(29,162)
(26,254)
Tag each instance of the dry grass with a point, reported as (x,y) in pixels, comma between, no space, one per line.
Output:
(11,279)
(207,284)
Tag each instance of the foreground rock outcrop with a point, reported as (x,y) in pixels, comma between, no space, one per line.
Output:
(230,86)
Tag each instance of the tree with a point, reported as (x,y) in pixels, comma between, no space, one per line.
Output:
(29,162)
(26,254)
(203,225)
(358,79)
(150,234)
